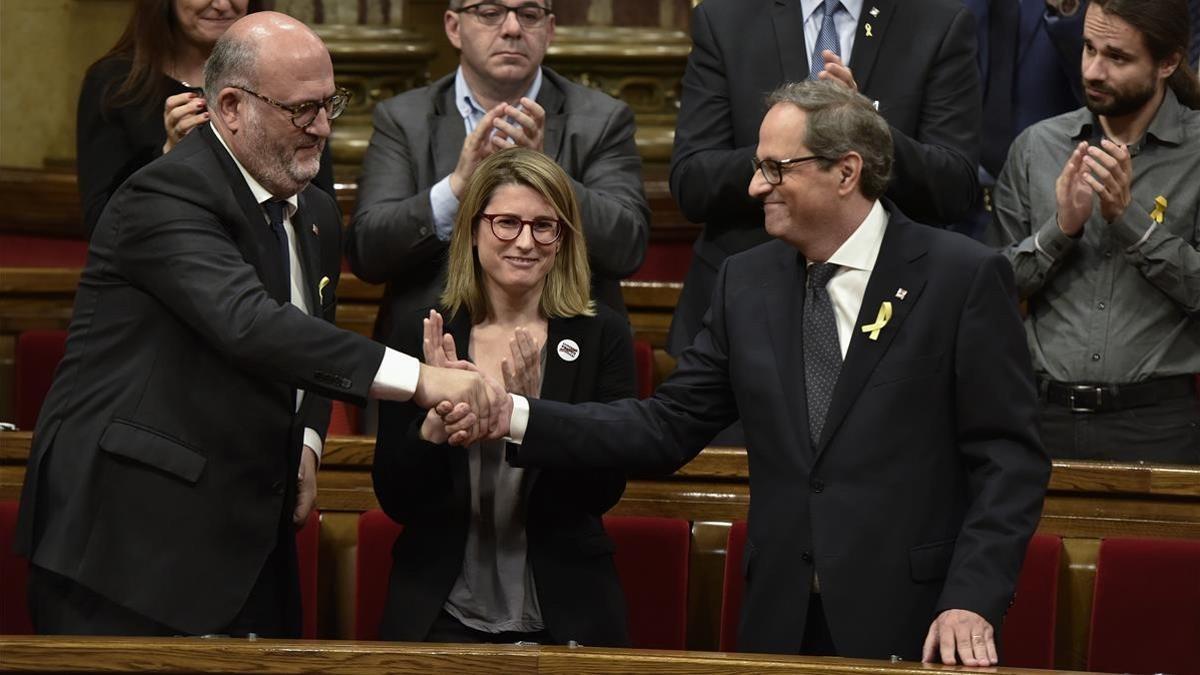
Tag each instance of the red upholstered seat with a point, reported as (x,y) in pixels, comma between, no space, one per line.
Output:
(652,563)
(14,577)
(37,355)
(1028,635)
(308,543)
(732,588)
(1146,607)
(643,359)
(376,535)
(343,419)
(665,261)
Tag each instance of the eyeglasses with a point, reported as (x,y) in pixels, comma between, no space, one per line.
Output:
(494,14)
(772,169)
(507,227)
(304,114)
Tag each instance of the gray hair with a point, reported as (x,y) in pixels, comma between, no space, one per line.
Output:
(841,121)
(233,63)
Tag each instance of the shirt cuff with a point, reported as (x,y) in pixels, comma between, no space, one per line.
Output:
(445,207)
(1129,236)
(396,379)
(1051,241)
(518,420)
(313,440)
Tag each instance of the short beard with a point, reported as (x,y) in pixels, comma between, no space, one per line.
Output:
(274,165)
(1123,102)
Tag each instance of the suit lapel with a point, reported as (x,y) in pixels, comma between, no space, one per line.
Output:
(894,270)
(447,132)
(250,232)
(788,19)
(550,97)
(308,244)
(784,328)
(866,47)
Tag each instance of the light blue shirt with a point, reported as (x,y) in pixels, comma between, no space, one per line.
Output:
(846,22)
(441,197)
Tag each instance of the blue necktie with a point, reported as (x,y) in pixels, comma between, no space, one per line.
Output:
(822,352)
(826,39)
(275,209)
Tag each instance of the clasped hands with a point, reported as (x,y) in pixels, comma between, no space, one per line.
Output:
(461,421)
(1105,171)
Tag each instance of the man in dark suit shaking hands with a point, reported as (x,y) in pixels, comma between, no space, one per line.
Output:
(881,371)
(178,444)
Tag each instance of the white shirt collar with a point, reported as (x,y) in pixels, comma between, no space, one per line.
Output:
(468,105)
(852,7)
(261,194)
(861,248)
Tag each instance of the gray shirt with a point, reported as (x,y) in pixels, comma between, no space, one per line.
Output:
(1121,303)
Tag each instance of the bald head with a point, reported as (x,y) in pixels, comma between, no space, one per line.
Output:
(238,58)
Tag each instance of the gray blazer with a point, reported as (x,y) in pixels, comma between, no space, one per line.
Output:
(417,140)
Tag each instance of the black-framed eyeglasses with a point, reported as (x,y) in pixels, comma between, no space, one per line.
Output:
(304,114)
(772,169)
(493,14)
(507,227)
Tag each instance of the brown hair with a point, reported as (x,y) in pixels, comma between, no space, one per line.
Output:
(148,43)
(1165,29)
(567,291)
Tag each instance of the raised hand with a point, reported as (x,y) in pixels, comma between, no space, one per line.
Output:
(1110,174)
(476,148)
(836,71)
(1073,193)
(526,128)
(182,113)
(438,345)
(523,373)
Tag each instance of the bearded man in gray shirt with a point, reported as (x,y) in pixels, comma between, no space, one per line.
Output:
(1100,212)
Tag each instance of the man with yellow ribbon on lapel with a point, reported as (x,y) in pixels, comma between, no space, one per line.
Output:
(895,469)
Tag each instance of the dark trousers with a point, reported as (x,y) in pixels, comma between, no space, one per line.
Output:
(446,628)
(62,606)
(1168,431)
(817,640)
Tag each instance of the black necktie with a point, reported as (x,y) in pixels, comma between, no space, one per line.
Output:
(1003,21)
(822,353)
(275,209)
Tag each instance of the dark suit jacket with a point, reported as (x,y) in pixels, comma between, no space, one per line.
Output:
(163,466)
(919,65)
(417,140)
(426,488)
(928,479)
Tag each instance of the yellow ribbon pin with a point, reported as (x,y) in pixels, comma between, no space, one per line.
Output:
(867,29)
(881,320)
(1160,207)
(321,289)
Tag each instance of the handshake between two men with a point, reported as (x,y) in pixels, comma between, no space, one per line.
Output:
(464,404)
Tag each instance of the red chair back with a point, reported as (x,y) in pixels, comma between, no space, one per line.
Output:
(36,356)
(733,587)
(14,577)
(1028,635)
(652,564)
(1146,607)
(643,360)
(308,545)
(376,535)
(343,419)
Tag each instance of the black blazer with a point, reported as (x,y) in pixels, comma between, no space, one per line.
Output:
(918,63)
(928,479)
(163,465)
(426,488)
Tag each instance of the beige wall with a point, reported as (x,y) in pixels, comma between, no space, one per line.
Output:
(45,47)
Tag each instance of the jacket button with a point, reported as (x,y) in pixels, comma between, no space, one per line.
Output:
(817,485)
(806,557)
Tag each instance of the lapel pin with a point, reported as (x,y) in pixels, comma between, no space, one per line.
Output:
(568,350)
(881,320)
(316,230)
(874,12)
(321,286)
(900,293)
(867,29)
(1160,209)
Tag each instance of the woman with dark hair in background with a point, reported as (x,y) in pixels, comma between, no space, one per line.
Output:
(144,95)
(491,552)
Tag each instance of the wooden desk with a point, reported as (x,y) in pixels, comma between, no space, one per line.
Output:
(228,655)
